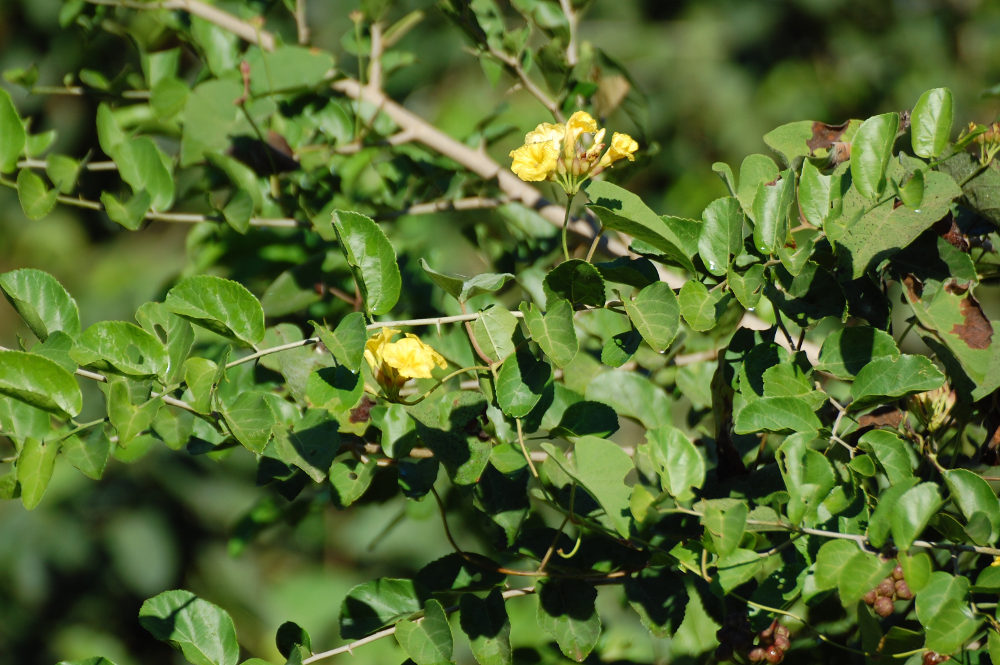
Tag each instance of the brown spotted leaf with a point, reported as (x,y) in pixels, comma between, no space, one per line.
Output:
(959,331)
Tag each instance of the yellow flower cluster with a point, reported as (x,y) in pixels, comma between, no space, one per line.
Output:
(569,154)
(393,363)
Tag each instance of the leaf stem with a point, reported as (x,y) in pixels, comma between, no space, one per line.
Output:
(565,226)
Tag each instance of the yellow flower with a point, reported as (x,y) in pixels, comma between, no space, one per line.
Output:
(569,154)
(535,161)
(544,132)
(411,358)
(375,346)
(622,147)
(578,123)
(392,363)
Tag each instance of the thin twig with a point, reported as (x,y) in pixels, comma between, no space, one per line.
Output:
(242,29)
(514,65)
(88,166)
(301,22)
(571,19)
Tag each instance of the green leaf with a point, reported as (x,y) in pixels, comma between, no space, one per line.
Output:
(721,234)
(912,513)
(631,395)
(945,614)
(287,68)
(678,463)
(520,383)
(39,382)
(202,376)
(956,319)
(930,122)
(755,170)
(577,281)
(63,172)
(566,611)
(350,479)
(747,286)
(34,469)
(658,595)
(129,420)
(883,230)
(129,214)
(808,475)
(442,428)
(250,419)
(347,341)
(121,347)
(912,193)
(88,453)
(238,211)
(738,567)
(376,604)
(36,199)
(725,527)
(41,301)
(792,139)
(700,307)
(622,210)
(311,446)
(885,379)
(769,212)
(494,330)
(972,494)
(484,621)
(870,153)
(581,418)
(880,522)
(601,466)
(210,118)
(862,573)
(372,258)
(655,313)
(847,351)
(109,134)
(220,305)
(462,288)
(832,561)
(917,569)
(12,134)
(20,421)
(289,638)
(554,330)
(427,641)
(243,178)
(777,414)
(203,632)
(815,191)
(168,96)
(724,171)
(892,453)
(145,167)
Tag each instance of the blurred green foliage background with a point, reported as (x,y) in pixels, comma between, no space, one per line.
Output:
(712,77)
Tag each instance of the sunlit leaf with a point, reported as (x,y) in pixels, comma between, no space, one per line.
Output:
(41,301)
(930,122)
(202,631)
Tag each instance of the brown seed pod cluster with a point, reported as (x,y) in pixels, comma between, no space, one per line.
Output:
(735,637)
(892,588)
